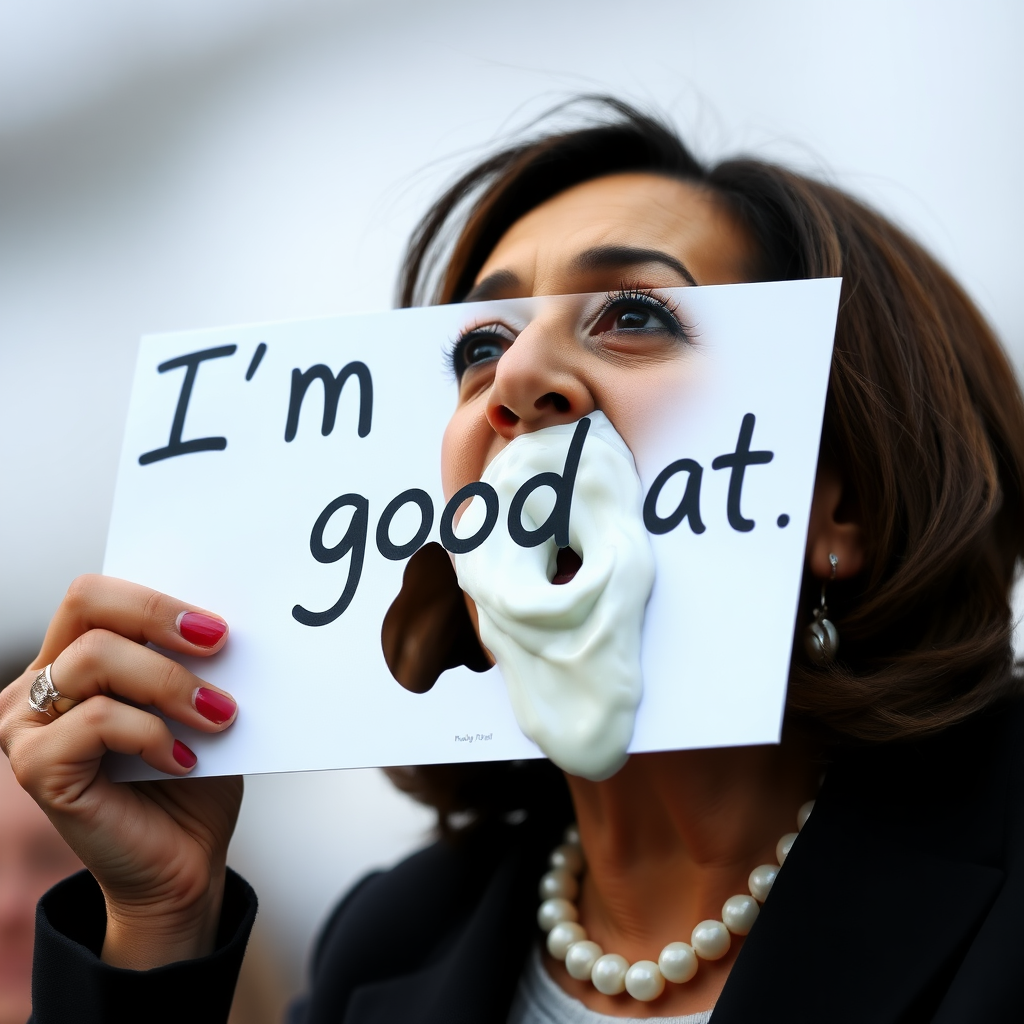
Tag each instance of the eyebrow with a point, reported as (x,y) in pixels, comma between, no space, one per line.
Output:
(608,257)
(601,257)
(493,286)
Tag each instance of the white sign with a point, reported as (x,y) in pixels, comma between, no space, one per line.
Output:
(259,462)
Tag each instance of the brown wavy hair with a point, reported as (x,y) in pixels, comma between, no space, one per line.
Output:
(923,421)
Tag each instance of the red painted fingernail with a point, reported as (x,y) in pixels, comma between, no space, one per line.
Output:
(213,706)
(201,630)
(183,755)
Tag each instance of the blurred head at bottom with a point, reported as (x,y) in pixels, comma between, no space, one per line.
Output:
(33,857)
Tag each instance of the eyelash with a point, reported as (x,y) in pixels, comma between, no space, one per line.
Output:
(663,310)
(455,349)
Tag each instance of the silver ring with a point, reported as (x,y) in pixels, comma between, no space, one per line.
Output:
(42,694)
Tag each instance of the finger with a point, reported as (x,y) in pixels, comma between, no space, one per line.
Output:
(57,763)
(104,663)
(15,712)
(135,612)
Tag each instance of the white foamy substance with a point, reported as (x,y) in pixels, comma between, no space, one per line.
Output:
(569,653)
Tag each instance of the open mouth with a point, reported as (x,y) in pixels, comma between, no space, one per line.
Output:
(566,566)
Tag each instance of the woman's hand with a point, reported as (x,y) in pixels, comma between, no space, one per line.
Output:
(157,849)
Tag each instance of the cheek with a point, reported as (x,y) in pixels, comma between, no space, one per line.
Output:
(468,445)
(460,463)
(642,403)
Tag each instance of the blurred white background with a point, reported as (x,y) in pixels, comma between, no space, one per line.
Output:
(185,163)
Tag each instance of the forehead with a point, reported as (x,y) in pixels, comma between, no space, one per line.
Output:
(648,211)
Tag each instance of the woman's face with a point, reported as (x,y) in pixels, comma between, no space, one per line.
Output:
(626,237)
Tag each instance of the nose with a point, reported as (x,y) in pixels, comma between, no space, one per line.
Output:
(539,382)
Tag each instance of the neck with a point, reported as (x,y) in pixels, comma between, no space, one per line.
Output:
(673,835)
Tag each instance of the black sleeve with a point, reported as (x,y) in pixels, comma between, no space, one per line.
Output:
(71,985)
(298,1010)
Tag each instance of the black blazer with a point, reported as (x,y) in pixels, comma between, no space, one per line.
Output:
(902,900)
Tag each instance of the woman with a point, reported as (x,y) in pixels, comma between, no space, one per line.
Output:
(902,897)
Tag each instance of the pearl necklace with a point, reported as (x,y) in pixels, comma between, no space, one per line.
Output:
(644,980)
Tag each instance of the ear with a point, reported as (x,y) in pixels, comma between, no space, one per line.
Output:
(831,532)
(427,628)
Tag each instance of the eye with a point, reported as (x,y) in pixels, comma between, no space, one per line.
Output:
(635,311)
(633,319)
(478,346)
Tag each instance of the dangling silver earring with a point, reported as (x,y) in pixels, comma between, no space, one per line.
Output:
(821,638)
